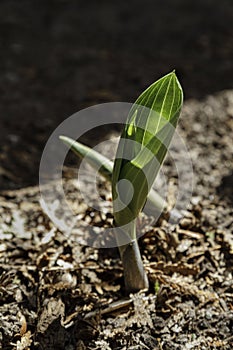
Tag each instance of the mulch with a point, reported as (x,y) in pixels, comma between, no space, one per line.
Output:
(56,293)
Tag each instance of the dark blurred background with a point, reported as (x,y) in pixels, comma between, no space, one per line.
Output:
(58,57)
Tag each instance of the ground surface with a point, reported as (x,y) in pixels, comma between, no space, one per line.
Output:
(57,294)
(56,58)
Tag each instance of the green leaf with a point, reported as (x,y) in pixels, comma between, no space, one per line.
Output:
(95,159)
(105,167)
(143,145)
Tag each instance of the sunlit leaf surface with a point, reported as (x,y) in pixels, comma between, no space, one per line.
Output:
(143,145)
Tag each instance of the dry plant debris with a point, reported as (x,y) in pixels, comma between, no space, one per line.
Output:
(57,294)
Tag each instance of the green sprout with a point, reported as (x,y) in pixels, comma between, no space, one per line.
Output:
(143,145)
(155,203)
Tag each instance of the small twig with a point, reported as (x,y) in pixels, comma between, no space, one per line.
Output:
(120,304)
(190,233)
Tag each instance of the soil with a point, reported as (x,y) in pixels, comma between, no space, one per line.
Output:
(56,293)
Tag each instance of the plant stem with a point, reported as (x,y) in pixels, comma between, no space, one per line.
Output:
(134,273)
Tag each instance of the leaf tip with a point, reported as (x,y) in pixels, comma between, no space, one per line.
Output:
(67,140)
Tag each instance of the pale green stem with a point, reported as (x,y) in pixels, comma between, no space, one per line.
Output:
(134,273)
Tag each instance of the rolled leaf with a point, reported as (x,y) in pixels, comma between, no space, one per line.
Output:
(104,166)
(99,162)
(143,145)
